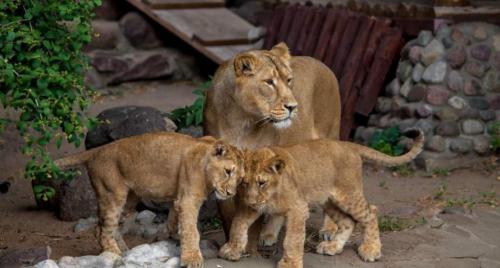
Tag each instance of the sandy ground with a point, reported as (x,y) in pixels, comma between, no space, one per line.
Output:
(460,237)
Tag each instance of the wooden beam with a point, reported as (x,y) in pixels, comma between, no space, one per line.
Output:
(178,4)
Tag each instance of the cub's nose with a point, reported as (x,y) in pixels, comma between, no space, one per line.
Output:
(290,107)
(229,192)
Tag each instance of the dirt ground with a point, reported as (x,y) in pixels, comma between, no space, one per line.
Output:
(466,234)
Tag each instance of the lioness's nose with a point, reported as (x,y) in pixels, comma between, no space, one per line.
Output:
(290,107)
(229,192)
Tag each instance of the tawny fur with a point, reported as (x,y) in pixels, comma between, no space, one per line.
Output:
(287,180)
(161,167)
(241,106)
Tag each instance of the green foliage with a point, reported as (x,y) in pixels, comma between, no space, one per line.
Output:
(41,76)
(43,192)
(395,224)
(191,115)
(404,170)
(386,141)
(494,131)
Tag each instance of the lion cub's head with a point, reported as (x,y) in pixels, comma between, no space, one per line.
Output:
(265,172)
(263,85)
(225,169)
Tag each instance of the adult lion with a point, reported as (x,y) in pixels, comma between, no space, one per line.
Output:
(267,97)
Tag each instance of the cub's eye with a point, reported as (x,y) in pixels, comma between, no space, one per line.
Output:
(270,82)
(261,183)
(289,81)
(228,172)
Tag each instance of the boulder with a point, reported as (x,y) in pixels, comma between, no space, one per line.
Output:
(139,31)
(472,127)
(110,10)
(46,264)
(461,145)
(150,255)
(105,35)
(435,72)
(432,52)
(76,197)
(436,144)
(25,257)
(481,144)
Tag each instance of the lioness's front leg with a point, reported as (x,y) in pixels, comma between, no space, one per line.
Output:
(238,237)
(188,209)
(293,244)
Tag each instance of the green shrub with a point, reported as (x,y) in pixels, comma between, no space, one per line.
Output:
(386,141)
(191,115)
(494,131)
(41,76)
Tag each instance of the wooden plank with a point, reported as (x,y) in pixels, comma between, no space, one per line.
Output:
(346,44)
(286,23)
(313,36)
(334,42)
(225,53)
(306,29)
(178,4)
(209,26)
(326,34)
(296,27)
(274,27)
(467,12)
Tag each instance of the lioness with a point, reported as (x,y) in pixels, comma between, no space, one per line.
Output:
(286,180)
(160,166)
(267,97)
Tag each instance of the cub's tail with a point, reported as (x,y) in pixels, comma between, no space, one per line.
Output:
(386,160)
(75,159)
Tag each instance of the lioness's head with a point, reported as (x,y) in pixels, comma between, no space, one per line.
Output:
(225,169)
(263,85)
(264,175)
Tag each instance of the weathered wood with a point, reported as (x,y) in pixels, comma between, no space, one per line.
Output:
(346,43)
(387,50)
(413,26)
(305,31)
(296,27)
(286,23)
(313,36)
(274,27)
(334,42)
(326,34)
(467,12)
(173,4)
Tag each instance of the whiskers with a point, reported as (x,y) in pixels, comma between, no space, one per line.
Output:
(263,121)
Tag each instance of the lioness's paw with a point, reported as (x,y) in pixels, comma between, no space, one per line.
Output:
(230,252)
(268,240)
(329,248)
(191,259)
(370,252)
(290,263)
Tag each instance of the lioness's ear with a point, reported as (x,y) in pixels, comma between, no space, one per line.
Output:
(220,149)
(245,64)
(276,165)
(281,50)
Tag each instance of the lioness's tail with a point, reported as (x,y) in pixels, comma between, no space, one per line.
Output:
(75,159)
(386,160)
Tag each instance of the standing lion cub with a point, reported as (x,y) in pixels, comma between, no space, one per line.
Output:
(286,180)
(160,166)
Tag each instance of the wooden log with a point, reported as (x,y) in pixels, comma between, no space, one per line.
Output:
(326,34)
(286,23)
(346,43)
(274,26)
(313,36)
(335,39)
(296,27)
(387,50)
(306,29)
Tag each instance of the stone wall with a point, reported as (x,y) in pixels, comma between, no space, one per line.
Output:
(447,84)
(127,46)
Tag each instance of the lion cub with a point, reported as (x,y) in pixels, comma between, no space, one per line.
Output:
(286,180)
(160,166)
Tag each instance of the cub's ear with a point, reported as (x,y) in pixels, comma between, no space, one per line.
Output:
(245,64)
(276,165)
(281,50)
(220,149)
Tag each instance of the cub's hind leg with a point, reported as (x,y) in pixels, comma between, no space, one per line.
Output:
(335,241)
(271,230)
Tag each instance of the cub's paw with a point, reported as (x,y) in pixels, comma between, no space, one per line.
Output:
(370,252)
(327,234)
(329,248)
(268,240)
(191,259)
(290,263)
(230,252)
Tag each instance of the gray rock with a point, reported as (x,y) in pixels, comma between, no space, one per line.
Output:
(426,125)
(368,133)
(85,224)
(139,31)
(46,264)
(249,10)
(105,35)
(443,31)
(435,72)
(481,144)
(209,249)
(492,81)
(437,95)
(145,217)
(406,124)
(192,131)
(150,255)
(479,103)
(487,115)
(108,62)
(25,257)
(417,73)
(472,127)
(468,113)
(448,129)
(456,57)
(110,10)
(494,102)
(424,110)
(405,88)
(476,69)
(480,52)
(447,114)
(481,33)
(458,36)
(404,70)
(472,88)
(93,79)
(457,102)
(432,52)
(383,105)
(127,121)
(415,53)
(393,88)
(496,42)
(455,81)
(417,93)
(424,38)
(436,144)
(76,198)
(448,42)
(105,260)
(461,145)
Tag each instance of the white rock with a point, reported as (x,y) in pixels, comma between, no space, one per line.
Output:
(105,260)
(145,217)
(435,72)
(46,264)
(150,255)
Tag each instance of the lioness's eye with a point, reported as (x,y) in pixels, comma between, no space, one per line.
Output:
(228,172)
(261,183)
(289,81)
(270,82)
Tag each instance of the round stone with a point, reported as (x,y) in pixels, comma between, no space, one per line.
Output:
(480,52)
(415,53)
(405,88)
(487,115)
(383,105)
(496,42)
(417,93)
(492,81)
(432,52)
(457,102)
(472,127)
(480,33)
(404,70)
(426,125)
(456,57)
(435,72)
(472,88)
(443,31)
(458,36)
(424,110)
(494,102)
(436,144)
(417,73)
(447,114)
(448,129)
(461,145)
(481,144)
(397,103)
(437,95)
(468,113)
(455,81)
(476,69)
(479,103)
(424,37)
(393,88)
